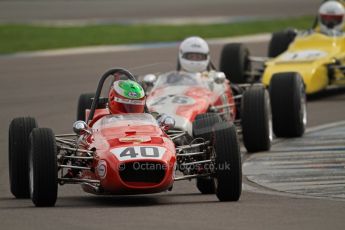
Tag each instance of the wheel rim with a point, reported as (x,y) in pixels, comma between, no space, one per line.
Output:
(303,110)
(270,128)
(270,122)
(31,171)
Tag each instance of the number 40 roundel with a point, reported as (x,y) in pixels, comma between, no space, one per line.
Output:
(138,152)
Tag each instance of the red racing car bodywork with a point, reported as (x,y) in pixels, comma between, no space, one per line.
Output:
(133,155)
(185,96)
(121,154)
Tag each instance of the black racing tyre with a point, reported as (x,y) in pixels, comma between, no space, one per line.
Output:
(234,62)
(288,101)
(228,162)
(84,102)
(18,155)
(202,127)
(206,185)
(256,119)
(280,42)
(43,167)
(203,123)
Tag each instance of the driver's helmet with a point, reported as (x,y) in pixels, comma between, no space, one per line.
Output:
(126,96)
(194,55)
(331,17)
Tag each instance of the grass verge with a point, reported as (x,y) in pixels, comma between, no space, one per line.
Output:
(17,38)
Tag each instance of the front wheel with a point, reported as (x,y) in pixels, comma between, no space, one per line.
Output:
(288,101)
(228,162)
(84,102)
(43,167)
(18,155)
(280,42)
(256,119)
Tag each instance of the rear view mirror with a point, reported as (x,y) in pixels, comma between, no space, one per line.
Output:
(219,77)
(166,122)
(149,79)
(80,128)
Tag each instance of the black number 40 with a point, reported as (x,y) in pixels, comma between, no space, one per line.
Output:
(144,152)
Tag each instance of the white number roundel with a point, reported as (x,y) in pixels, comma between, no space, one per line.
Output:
(305,55)
(172,100)
(138,152)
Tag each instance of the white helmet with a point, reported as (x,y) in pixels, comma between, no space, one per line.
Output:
(194,54)
(331,16)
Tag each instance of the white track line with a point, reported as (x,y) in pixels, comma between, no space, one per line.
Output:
(260,188)
(325,126)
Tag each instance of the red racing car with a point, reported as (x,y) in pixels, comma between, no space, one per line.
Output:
(198,96)
(116,154)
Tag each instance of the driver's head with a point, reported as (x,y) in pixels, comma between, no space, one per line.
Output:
(194,55)
(126,96)
(331,16)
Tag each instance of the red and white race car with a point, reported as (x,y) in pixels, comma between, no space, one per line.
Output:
(119,154)
(195,97)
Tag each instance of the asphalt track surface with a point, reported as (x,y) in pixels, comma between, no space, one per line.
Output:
(48,87)
(126,11)
(310,166)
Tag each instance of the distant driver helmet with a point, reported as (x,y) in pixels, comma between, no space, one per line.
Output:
(331,17)
(194,55)
(126,96)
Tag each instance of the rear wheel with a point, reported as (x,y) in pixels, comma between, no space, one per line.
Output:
(202,127)
(18,155)
(234,62)
(43,167)
(206,185)
(256,119)
(84,102)
(280,42)
(288,101)
(228,162)
(203,123)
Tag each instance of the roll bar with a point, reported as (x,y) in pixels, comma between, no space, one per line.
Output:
(109,73)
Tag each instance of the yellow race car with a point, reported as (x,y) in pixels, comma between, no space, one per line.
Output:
(298,63)
(319,59)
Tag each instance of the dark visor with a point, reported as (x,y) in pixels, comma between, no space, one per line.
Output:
(195,56)
(331,20)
